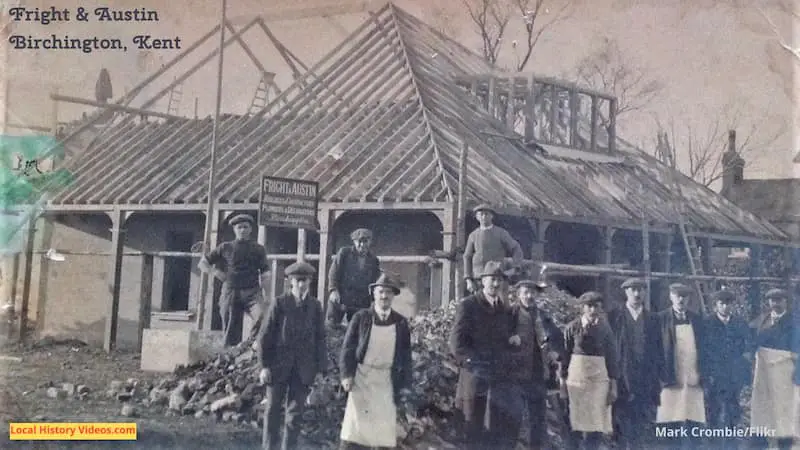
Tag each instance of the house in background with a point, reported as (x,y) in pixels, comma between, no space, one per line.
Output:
(774,199)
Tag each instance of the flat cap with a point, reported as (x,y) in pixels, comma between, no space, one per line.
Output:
(300,269)
(680,288)
(634,283)
(723,296)
(241,218)
(538,285)
(484,207)
(361,233)
(494,269)
(777,293)
(590,298)
(386,281)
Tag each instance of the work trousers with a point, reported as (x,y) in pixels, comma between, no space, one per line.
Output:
(632,418)
(500,434)
(723,411)
(233,305)
(284,411)
(534,401)
(578,440)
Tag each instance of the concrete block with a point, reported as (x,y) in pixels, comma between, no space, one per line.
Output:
(165,349)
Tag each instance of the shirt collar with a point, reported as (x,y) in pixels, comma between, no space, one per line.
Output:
(585,322)
(635,312)
(724,319)
(487,228)
(680,315)
(776,317)
(384,316)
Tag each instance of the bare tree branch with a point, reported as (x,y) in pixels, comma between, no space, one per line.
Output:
(607,69)
(703,152)
(781,41)
(494,19)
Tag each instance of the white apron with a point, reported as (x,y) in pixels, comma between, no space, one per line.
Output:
(772,404)
(683,402)
(587,389)
(370,417)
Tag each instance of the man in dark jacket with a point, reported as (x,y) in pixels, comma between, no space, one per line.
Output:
(539,342)
(292,353)
(681,368)
(480,342)
(352,271)
(727,369)
(636,332)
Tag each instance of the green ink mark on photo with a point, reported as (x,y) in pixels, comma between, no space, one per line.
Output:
(24,184)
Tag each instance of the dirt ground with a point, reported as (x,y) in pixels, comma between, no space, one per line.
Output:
(23,386)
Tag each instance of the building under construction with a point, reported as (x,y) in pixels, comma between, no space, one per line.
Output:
(397,125)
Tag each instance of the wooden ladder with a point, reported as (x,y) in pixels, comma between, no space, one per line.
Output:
(689,241)
(175,97)
(260,98)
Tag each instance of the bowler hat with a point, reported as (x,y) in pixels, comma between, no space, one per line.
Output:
(484,207)
(494,269)
(300,269)
(723,296)
(241,218)
(680,288)
(777,293)
(385,281)
(361,233)
(590,298)
(634,283)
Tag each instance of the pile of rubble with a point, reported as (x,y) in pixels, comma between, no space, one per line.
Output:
(227,387)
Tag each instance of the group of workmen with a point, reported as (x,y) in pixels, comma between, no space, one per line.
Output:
(671,378)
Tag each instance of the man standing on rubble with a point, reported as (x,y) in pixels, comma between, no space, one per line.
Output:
(291,353)
(636,334)
(376,370)
(539,343)
(771,406)
(241,265)
(681,362)
(728,370)
(481,341)
(488,243)
(353,269)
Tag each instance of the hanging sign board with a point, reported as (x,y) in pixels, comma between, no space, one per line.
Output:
(288,203)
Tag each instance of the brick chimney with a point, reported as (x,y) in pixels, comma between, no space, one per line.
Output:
(732,166)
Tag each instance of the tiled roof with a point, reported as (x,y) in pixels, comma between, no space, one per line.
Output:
(381,120)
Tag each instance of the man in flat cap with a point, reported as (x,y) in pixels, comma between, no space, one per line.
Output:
(241,266)
(481,342)
(488,243)
(376,369)
(636,332)
(291,353)
(539,343)
(727,368)
(772,403)
(681,368)
(353,269)
(590,373)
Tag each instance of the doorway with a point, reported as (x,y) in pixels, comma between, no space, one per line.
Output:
(177,272)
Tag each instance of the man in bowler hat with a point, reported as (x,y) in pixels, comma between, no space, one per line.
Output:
(241,266)
(353,269)
(292,354)
(487,243)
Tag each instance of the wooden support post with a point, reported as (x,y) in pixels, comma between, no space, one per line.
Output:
(325,249)
(449,219)
(754,287)
(707,247)
(607,258)
(574,111)
(26,283)
(12,280)
(646,262)
(492,98)
(530,111)
(553,139)
(539,228)
(667,267)
(209,282)
(301,244)
(114,279)
(145,296)
(612,125)
(461,223)
(789,264)
(510,100)
(594,120)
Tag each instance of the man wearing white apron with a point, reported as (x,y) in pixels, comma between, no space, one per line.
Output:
(772,406)
(375,365)
(681,364)
(590,371)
